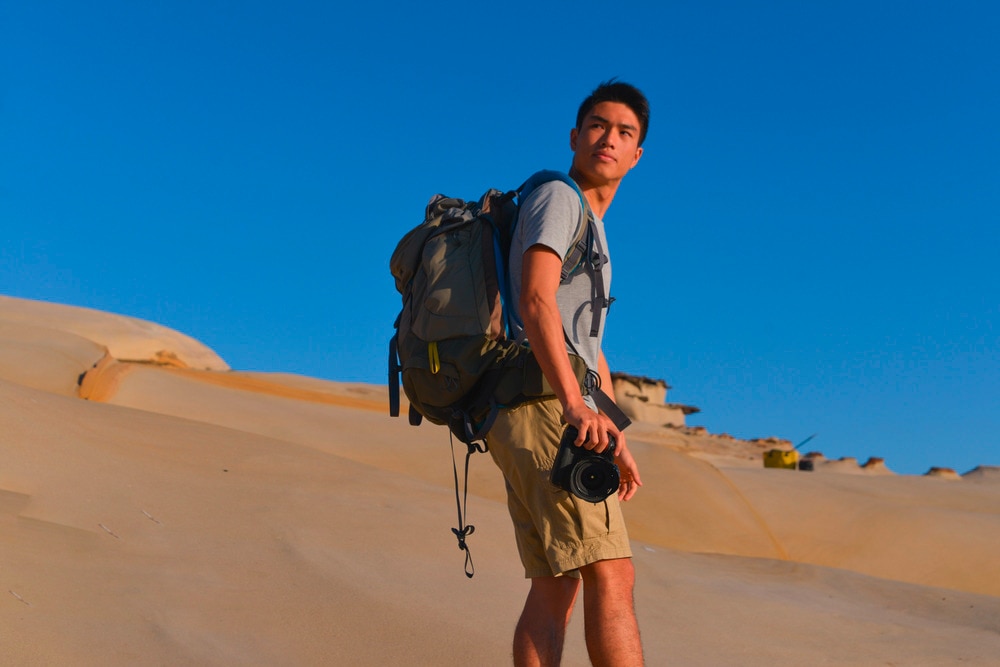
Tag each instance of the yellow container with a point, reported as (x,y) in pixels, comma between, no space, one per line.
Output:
(781,458)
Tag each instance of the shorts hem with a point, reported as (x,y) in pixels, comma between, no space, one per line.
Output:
(607,554)
(571,567)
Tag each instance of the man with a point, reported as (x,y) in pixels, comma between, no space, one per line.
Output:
(562,539)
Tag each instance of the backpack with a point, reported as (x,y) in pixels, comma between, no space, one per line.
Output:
(452,348)
(452,345)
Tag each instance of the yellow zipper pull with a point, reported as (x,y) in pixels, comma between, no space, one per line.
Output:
(432,354)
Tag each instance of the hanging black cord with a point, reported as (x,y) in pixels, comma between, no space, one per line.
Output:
(463,530)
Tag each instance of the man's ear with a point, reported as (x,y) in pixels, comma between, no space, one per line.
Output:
(638,154)
(572,139)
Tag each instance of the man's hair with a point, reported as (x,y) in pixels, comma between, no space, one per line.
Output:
(613,90)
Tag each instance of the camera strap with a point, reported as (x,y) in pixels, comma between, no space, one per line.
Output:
(605,403)
(461,501)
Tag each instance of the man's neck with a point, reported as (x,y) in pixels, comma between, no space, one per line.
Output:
(598,196)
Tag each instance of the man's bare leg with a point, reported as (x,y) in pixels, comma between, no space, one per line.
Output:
(609,614)
(541,631)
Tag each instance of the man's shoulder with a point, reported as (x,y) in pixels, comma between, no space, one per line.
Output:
(548,179)
(556,188)
(553,195)
(547,176)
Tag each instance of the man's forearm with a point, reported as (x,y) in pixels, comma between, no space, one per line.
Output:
(544,328)
(543,324)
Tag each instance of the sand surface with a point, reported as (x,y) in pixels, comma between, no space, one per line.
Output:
(157,508)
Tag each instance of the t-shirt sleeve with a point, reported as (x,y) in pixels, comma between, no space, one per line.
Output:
(550,216)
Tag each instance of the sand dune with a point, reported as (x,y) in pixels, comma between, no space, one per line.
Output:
(126,338)
(156,512)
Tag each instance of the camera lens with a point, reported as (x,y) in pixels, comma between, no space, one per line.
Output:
(594,480)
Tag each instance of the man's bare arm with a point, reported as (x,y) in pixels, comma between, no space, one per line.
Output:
(544,327)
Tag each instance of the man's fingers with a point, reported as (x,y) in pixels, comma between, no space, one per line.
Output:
(629,486)
(588,437)
(595,434)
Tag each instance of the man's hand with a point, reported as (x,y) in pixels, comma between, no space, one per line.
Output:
(629,472)
(595,430)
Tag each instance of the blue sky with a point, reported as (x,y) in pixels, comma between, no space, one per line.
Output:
(808,245)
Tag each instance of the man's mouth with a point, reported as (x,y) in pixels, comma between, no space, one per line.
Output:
(605,157)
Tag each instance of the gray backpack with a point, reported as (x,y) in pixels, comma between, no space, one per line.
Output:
(458,365)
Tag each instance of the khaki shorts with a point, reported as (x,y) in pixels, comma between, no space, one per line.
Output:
(556,531)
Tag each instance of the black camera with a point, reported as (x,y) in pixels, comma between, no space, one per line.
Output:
(586,474)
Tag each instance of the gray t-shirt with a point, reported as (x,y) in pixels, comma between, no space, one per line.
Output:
(551,216)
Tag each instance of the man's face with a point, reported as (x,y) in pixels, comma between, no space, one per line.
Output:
(606,145)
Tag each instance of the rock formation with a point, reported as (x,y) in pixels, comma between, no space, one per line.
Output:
(643,399)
